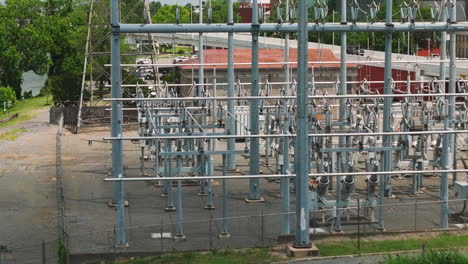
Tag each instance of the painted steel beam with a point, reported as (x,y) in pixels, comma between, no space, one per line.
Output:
(231,122)
(301,155)
(386,156)
(292,28)
(116,127)
(274,97)
(173,136)
(358,174)
(342,159)
(254,161)
(215,152)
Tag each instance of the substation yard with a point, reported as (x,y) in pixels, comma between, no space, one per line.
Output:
(28,200)
(90,220)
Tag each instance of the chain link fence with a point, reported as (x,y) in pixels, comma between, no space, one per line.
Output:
(244,232)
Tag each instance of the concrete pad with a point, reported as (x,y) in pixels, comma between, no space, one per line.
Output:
(161,235)
(209,207)
(224,236)
(113,204)
(180,237)
(126,245)
(317,230)
(291,251)
(260,200)
(170,209)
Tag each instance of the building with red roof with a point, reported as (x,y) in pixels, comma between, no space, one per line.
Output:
(323,62)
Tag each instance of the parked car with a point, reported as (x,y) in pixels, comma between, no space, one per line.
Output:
(354,50)
(180,59)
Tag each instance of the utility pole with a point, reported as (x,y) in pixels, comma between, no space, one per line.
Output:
(154,58)
(83,78)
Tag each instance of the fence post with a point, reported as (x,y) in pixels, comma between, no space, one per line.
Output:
(67,248)
(211,241)
(359,224)
(415,214)
(43,253)
(464,218)
(262,228)
(161,233)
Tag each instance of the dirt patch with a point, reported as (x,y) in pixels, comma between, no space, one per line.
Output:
(13,156)
(12,134)
(67,158)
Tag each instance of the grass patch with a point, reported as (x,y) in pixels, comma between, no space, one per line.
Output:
(433,257)
(24,108)
(225,256)
(179,50)
(349,247)
(12,134)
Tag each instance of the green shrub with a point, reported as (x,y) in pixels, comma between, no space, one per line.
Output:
(62,252)
(432,257)
(7,94)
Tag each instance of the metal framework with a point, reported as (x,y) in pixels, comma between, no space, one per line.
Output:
(310,140)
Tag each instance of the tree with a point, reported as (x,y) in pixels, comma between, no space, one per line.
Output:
(167,15)
(24,43)
(220,11)
(58,7)
(132,11)
(155,6)
(7,94)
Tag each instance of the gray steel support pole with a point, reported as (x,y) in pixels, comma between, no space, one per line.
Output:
(201,59)
(442,76)
(341,159)
(166,185)
(170,193)
(454,163)
(116,125)
(414,178)
(231,126)
(267,140)
(142,163)
(420,176)
(254,184)
(202,172)
(301,155)
(225,191)
(386,157)
(180,219)
(285,221)
(448,145)
(156,157)
(209,201)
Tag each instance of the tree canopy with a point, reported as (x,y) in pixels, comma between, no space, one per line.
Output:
(49,37)
(167,14)
(24,43)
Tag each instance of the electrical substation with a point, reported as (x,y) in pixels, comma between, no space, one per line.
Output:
(329,139)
